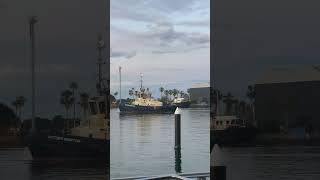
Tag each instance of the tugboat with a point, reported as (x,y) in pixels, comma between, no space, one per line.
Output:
(181,102)
(230,130)
(89,140)
(144,104)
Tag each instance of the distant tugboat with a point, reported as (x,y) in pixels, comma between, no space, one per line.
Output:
(144,103)
(181,102)
(89,140)
(230,130)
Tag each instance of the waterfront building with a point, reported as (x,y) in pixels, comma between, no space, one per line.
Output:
(288,100)
(200,93)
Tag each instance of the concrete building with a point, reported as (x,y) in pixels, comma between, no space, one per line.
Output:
(200,93)
(288,99)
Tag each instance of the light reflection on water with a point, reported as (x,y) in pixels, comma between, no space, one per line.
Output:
(144,144)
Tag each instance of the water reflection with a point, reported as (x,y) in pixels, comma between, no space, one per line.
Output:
(144,144)
(16,165)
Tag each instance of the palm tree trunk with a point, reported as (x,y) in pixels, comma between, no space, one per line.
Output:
(20,109)
(74,110)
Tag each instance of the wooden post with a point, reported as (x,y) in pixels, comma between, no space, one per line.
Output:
(218,171)
(177,122)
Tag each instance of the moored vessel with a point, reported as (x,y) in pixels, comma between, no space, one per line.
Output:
(88,140)
(144,103)
(230,130)
(181,102)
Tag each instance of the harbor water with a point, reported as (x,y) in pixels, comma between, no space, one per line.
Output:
(16,164)
(143,145)
(266,163)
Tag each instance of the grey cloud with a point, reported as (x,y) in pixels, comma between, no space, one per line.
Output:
(203,23)
(171,41)
(119,54)
(144,6)
(162,36)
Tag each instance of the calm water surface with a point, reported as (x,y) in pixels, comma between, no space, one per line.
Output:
(268,163)
(15,164)
(144,144)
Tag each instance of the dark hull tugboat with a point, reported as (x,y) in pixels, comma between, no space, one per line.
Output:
(88,140)
(231,131)
(129,108)
(145,104)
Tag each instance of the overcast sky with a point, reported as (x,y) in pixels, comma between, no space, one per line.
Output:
(251,37)
(66,37)
(166,40)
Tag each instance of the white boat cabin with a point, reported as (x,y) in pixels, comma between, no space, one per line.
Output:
(95,123)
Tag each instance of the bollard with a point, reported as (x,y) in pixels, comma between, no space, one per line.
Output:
(218,171)
(177,122)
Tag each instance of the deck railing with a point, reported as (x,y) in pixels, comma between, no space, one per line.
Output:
(182,176)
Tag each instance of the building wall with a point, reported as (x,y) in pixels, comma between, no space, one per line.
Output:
(287,105)
(199,95)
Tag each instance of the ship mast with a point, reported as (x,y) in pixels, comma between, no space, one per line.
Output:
(141,87)
(120,82)
(100,63)
(32,22)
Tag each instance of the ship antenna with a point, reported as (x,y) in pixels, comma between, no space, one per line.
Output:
(120,83)
(32,21)
(141,75)
(100,47)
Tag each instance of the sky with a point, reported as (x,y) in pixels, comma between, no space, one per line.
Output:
(251,37)
(66,37)
(168,41)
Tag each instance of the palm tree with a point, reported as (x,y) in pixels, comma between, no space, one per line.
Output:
(18,105)
(161,90)
(170,93)
(251,95)
(84,102)
(21,101)
(67,100)
(166,92)
(228,99)
(217,97)
(242,109)
(175,92)
(182,94)
(115,94)
(15,104)
(74,86)
(130,92)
